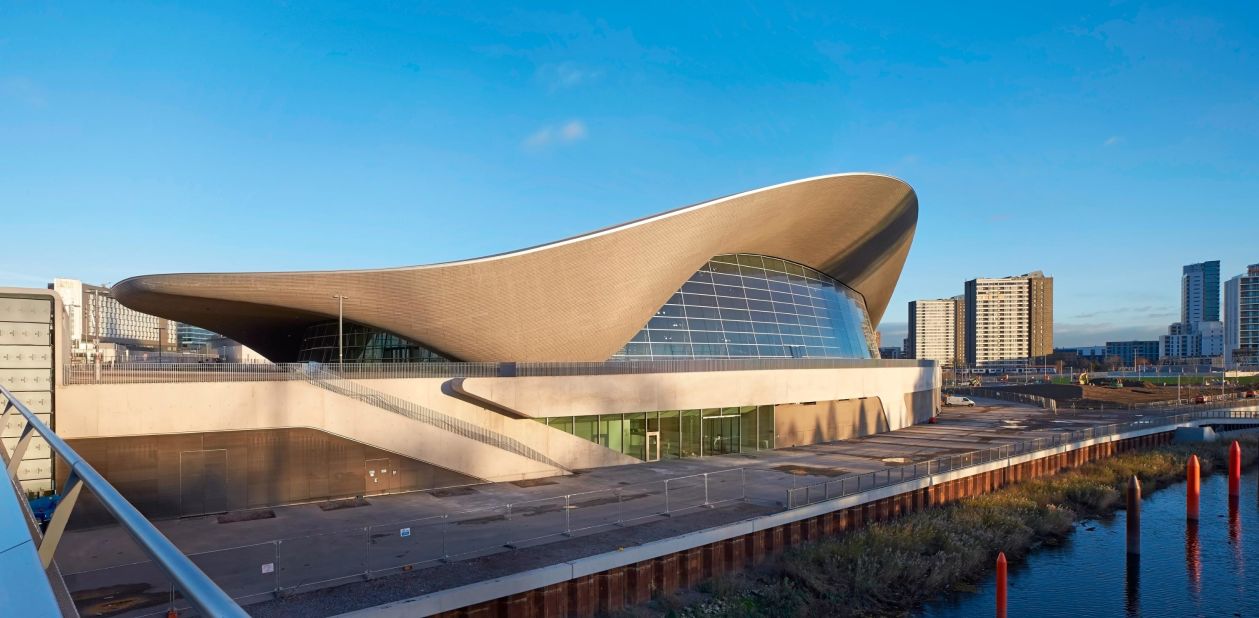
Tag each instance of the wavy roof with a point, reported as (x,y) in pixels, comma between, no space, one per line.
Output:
(578,299)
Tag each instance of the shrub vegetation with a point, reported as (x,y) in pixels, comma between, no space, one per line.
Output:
(890,568)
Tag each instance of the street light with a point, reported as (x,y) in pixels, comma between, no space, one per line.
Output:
(159,342)
(340,327)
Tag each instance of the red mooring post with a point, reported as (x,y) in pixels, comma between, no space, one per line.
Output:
(1235,470)
(1193,487)
(1001,598)
(1134,516)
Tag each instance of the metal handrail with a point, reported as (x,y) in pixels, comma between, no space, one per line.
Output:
(318,376)
(203,593)
(818,492)
(123,373)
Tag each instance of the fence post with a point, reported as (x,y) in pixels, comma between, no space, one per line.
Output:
(666,497)
(706,504)
(568,522)
(367,541)
(275,569)
(445,531)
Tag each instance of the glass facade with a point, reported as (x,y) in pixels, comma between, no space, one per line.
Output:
(743,305)
(671,434)
(363,344)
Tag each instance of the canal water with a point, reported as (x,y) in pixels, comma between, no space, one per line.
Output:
(1212,573)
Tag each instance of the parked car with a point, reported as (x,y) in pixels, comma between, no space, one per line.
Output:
(955,400)
(1199,399)
(1250,394)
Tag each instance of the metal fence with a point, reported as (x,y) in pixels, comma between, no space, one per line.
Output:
(847,486)
(137,373)
(1052,404)
(298,564)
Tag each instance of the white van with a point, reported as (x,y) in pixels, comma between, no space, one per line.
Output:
(954,400)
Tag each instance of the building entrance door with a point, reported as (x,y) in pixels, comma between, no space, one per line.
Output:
(379,476)
(653,446)
(202,482)
(721,434)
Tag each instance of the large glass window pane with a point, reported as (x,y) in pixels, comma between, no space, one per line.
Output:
(670,435)
(800,296)
(747,428)
(765,419)
(690,433)
(635,435)
(612,427)
(562,423)
(585,427)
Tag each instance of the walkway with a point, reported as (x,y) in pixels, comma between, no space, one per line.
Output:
(322,548)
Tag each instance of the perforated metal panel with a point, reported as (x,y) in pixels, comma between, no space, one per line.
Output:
(27,362)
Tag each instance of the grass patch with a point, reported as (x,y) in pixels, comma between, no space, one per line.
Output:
(890,568)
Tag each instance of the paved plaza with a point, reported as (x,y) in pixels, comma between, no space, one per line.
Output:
(600,510)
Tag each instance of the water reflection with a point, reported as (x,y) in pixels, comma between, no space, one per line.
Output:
(1235,532)
(1193,559)
(1087,575)
(1132,598)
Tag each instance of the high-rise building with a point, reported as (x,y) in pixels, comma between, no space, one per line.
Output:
(1241,318)
(1040,297)
(1009,320)
(1200,292)
(936,330)
(96,317)
(1199,334)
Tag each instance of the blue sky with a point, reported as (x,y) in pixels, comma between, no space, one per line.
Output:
(1105,144)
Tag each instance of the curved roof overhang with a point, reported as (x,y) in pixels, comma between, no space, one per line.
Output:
(578,299)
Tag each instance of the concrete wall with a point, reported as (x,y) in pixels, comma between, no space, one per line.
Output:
(901,397)
(895,387)
(798,424)
(185,474)
(111,410)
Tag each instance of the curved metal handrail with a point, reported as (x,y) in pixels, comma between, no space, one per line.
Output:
(199,589)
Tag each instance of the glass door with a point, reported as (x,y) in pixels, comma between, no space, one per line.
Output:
(653,446)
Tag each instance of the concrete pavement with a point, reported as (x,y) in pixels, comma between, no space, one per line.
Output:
(307,547)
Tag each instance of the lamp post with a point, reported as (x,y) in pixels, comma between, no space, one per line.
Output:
(159,342)
(340,327)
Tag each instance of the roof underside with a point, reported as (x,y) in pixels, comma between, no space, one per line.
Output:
(579,299)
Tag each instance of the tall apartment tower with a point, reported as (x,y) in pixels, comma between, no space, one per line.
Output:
(1241,318)
(1199,334)
(1009,320)
(936,330)
(1200,293)
(1040,298)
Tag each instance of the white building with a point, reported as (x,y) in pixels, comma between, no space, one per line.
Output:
(1241,318)
(935,330)
(1199,334)
(1009,320)
(95,317)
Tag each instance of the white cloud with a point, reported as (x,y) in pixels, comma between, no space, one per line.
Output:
(567,75)
(571,131)
(1113,140)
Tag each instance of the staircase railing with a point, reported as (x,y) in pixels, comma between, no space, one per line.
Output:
(321,377)
(204,594)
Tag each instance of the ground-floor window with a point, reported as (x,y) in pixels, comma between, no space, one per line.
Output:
(670,434)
